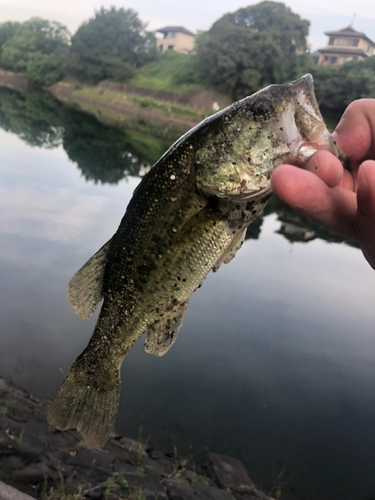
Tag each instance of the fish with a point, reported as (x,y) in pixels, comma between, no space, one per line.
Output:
(188,216)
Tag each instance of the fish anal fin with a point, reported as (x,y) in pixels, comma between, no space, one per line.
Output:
(162,335)
(85,289)
(231,250)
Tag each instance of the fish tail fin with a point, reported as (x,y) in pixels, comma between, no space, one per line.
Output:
(87,403)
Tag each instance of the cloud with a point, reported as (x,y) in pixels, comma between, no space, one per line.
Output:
(38,212)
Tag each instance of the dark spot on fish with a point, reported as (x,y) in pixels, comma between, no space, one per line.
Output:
(281,128)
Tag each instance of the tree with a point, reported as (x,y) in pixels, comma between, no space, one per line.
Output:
(43,69)
(111,45)
(38,47)
(7,30)
(336,87)
(252,47)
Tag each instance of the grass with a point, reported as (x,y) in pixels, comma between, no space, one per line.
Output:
(137,493)
(143,102)
(165,73)
(65,491)
(179,463)
(8,402)
(142,445)
(62,491)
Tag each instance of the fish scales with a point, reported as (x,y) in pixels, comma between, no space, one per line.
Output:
(188,215)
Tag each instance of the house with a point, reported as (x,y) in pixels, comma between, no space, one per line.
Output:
(345,45)
(175,38)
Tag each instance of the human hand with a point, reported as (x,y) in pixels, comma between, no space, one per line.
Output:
(338,199)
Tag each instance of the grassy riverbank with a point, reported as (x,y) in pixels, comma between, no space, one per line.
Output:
(156,113)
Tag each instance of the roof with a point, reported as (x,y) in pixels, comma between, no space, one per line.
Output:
(175,29)
(351,33)
(340,50)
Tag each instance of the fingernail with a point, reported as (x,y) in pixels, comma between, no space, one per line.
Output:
(362,178)
(366,183)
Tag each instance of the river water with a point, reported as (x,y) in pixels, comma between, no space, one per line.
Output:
(275,363)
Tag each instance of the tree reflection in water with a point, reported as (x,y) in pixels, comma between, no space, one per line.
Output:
(103,153)
(109,154)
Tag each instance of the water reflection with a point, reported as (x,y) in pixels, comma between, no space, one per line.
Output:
(109,154)
(33,116)
(103,153)
(276,360)
(294,227)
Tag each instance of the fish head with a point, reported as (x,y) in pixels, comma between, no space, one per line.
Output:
(279,124)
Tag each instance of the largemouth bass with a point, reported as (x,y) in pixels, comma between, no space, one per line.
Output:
(188,216)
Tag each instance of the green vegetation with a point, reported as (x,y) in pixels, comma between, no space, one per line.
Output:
(243,51)
(110,46)
(336,87)
(7,31)
(37,47)
(251,47)
(179,462)
(103,153)
(143,102)
(9,400)
(142,445)
(171,71)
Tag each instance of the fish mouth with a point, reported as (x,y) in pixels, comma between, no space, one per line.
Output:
(303,126)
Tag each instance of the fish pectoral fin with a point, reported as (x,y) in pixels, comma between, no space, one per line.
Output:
(85,289)
(231,250)
(162,335)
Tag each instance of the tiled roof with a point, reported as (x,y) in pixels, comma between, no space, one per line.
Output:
(350,32)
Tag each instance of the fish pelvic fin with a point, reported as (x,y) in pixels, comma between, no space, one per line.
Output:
(85,289)
(87,403)
(231,250)
(162,335)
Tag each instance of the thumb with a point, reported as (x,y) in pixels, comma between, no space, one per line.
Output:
(365,218)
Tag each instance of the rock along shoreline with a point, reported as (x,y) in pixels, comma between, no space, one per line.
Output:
(37,461)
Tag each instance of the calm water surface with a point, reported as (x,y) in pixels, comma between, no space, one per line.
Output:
(275,363)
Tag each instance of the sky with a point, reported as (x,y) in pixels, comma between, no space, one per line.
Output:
(196,15)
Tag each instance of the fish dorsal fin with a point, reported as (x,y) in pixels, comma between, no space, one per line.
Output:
(85,289)
(162,335)
(231,250)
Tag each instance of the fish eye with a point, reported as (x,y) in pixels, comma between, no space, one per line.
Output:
(261,107)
